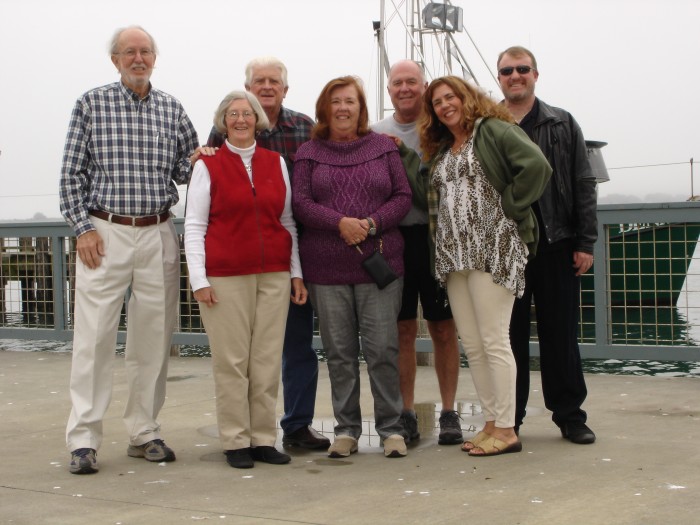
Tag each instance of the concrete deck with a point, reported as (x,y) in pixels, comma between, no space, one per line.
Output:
(644,468)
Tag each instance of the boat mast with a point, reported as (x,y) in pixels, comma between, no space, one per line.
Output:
(383,60)
(428,30)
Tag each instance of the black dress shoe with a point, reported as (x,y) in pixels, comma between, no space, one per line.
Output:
(577,433)
(239,458)
(269,455)
(306,437)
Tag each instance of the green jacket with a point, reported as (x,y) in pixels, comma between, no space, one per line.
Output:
(513,164)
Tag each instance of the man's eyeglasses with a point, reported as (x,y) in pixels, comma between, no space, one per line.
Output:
(508,70)
(247,115)
(131,53)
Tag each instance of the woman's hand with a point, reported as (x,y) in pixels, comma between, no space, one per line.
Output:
(353,231)
(299,293)
(206,151)
(206,295)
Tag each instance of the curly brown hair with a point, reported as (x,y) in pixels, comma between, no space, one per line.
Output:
(434,135)
(323,105)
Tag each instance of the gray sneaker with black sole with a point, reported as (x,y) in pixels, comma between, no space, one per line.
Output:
(450,428)
(155,450)
(83,461)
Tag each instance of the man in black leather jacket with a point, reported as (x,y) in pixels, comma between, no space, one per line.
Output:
(566,213)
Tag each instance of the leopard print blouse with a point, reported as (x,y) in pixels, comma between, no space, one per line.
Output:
(473,233)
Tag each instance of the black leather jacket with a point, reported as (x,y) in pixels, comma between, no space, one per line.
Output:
(569,202)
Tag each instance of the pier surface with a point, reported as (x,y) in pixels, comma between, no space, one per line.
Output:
(643,469)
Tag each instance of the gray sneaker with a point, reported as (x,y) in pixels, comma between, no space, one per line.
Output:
(450,429)
(409,421)
(83,461)
(155,450)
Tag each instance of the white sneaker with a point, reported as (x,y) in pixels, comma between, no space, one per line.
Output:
(395,446)
(342,447)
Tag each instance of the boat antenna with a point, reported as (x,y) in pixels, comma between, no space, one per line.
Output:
(692,189)
(424,22)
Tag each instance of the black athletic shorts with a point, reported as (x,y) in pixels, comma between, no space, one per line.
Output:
(418,280)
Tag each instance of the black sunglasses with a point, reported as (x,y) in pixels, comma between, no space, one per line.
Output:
(508,71)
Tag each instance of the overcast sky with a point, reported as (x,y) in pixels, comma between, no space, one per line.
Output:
(626,69)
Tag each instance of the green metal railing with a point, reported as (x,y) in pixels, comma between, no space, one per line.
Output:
(640,301)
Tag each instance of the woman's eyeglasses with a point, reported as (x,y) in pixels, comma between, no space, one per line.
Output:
(247,115)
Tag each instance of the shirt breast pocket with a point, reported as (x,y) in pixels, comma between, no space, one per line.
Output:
(164,150)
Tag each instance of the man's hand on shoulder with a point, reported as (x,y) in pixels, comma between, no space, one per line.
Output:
(396,139)
(203,151)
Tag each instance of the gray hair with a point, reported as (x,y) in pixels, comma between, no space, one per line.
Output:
(261,120)
(265,62)
(114,43)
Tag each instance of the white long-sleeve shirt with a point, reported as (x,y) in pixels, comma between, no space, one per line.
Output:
(197,217)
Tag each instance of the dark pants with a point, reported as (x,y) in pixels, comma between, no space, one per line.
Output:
(551,281)
(299,368)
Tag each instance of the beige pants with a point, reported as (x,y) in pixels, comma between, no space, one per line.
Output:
(145,260)
(246,333)
(481,310)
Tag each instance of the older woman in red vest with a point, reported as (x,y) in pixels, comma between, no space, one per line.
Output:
(241,247)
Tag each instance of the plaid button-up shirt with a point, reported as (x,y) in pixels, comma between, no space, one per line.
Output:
(291,131)
(124,155)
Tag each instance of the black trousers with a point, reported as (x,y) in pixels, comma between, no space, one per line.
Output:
(551,281)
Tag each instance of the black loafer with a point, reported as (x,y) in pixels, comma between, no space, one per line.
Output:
(239,458)
(269,455)
(577,433)
(306,437)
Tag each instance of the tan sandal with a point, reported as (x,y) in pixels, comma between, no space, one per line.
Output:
(471,444)
(495,447)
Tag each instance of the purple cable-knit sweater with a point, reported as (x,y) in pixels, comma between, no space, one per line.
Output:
(359,179)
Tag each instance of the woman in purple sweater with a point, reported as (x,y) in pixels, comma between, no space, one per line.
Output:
(350,191)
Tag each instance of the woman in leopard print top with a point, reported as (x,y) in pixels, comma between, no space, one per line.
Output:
(485,175)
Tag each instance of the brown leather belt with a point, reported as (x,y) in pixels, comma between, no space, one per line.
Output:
(149,220)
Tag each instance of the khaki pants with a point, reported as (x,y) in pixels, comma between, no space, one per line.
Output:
(246,333)
(481,310)
(145,260)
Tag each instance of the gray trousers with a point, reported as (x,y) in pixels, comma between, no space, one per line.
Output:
(342,311)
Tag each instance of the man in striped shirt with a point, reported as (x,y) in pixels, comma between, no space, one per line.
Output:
(128,146)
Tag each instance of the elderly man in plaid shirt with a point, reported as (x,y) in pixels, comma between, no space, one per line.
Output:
(127,148)
(266,78)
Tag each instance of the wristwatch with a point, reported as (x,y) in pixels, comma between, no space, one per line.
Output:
(372,227)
